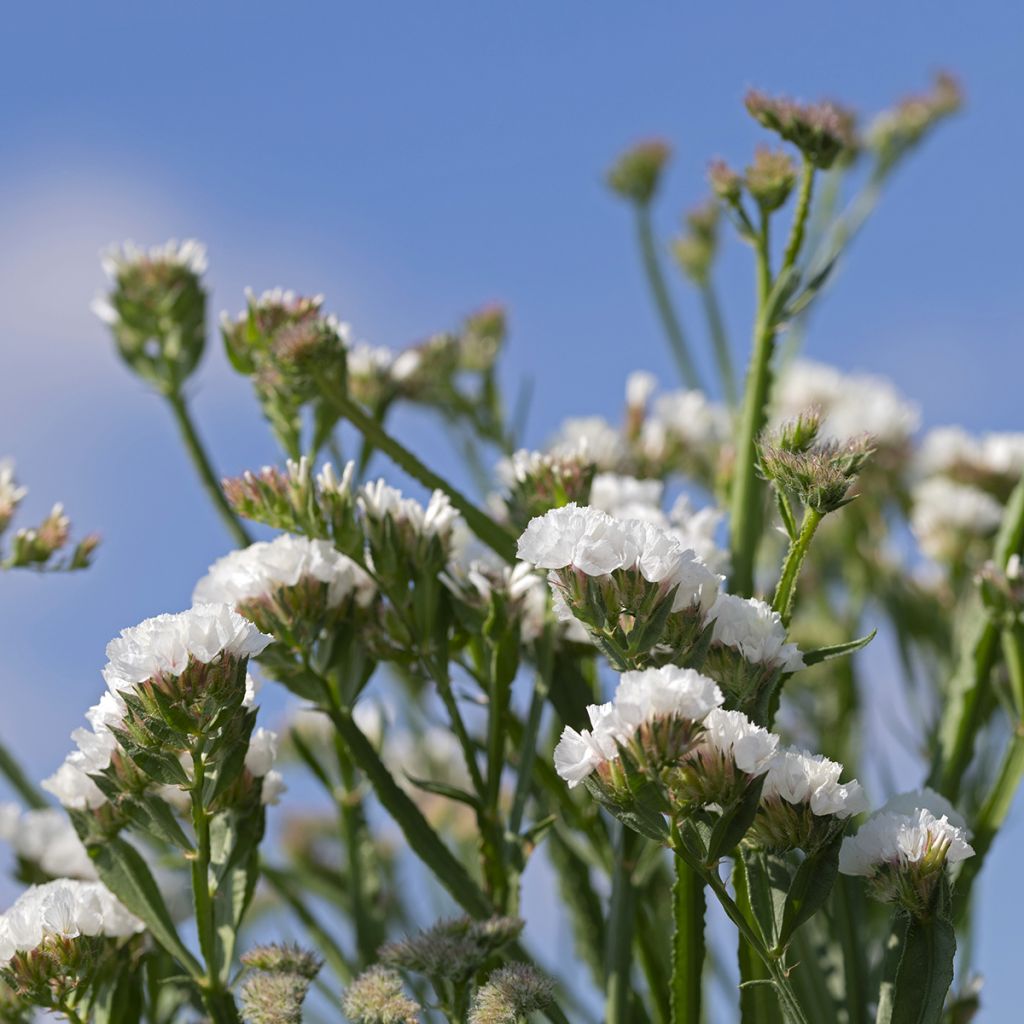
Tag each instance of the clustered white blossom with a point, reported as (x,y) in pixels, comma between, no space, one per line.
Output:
(596,544)
(190,254)
(945,513)
(687,418)
(46,838)
(851,404)
(259,762)
(258,571)
(592,438)
(641,698)
(626,497)
(800,777)
(63,909)
(11,492)
(755,630)
(379,500)
(952,451)
(159,646)
(739,741)
(904,832)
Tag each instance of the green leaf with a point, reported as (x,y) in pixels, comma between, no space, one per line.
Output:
(734,821)
(837,650)
(445,790)
(925,972)
(768,879)
(123,871)
(811,886)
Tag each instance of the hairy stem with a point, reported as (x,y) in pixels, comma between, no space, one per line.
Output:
(662,300)
(688,948)
(621,921)
(211,484)
(803,207)
(786,590)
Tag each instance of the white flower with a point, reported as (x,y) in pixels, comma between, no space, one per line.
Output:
(1003,454)
(738,739)
(65,908)
(47,838)
(596,544)
(73,788)
(626,497)
(591,438)
(379,500)
(686,417)
(851,404)
(640,385)
(578,754)
(900,841)
(11,493)
(274,787)
(945,512)
(667,692)
(799,777)
(698,530)
(755,630)
(165,643)
(926,798)
(189,254)
(260,569)
(262,752)
(946,448)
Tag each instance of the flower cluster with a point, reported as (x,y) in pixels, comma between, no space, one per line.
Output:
(620,576)
(534,482)
(948,518)
(45,841)
(821,131)
(904,848)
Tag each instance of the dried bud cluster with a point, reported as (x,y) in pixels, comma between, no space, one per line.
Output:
(821,131)
(277,988)
(770,178)
(377,997)
(511,994)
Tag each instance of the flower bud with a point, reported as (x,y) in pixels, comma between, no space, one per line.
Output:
(821,475)
(510,995)
(895,132)
(770,178)
(726,183)
(536,482)
(11,494)
(695,250)
(821,131)
(637,173)
(377,997)
(156,310)
(287,959)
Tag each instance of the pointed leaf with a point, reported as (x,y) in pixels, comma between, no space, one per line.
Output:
(837,650)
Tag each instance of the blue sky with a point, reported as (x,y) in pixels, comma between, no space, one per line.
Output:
(413,161)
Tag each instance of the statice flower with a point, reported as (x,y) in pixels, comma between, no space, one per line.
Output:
(948,518)
(904,848)
(287,586)
(62,909)
(46,839)
(803,803)
(699,530)
(534,482)
(381,501)
(685,430)
(11,493)
(655,717)
(519,585)
(626,497)
(616,576)
(749,648)
(993,462)
(593,438)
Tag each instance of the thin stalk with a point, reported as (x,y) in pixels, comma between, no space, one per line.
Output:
(968,700)
(15,775)
(786,590)
(662,300)
(758,1004)
(527,749)
(803,208)
(719,341)
(847,912)
(211,484)
(745,505)
(354,834)
(70,1014)
(217,1001)
(688,907)
(486,529)
(621,921)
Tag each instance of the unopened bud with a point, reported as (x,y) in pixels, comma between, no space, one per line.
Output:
(511,994)
(821,131)
(726,183)
(377,997)
(770,178)
(637,173)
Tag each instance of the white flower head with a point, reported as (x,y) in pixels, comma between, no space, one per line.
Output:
(11,493)
(946,515)
(66,908)
(668,692)
(626,497)
(262,752)
(685,418)
(257,572)
(755,630)
(579,754)
(733,736)
(379,500)
(592,438)
(45,837)
(165,644)
(189,254)
(698,529)
(640,385)
(799,777)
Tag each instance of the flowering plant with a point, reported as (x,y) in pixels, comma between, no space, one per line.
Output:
(449,659)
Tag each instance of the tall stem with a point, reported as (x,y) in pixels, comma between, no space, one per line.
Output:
(15,775)
(662,299)
(786,590)
(197,453)
(803,209)
(217,1001)
(621,920)
(719,341)
(688,947)
(745,505)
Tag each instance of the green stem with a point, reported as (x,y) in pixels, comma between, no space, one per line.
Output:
(354,834)
(745,506)
(662,300)
(69,1014)
(719,341)
(848,913)
(688,907)
(485,528)
(15,775)
(217,1001)
(527,749)
(969,696)
(786,590)
(621,921)
(803,208)
(197,453)
(758,1004)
